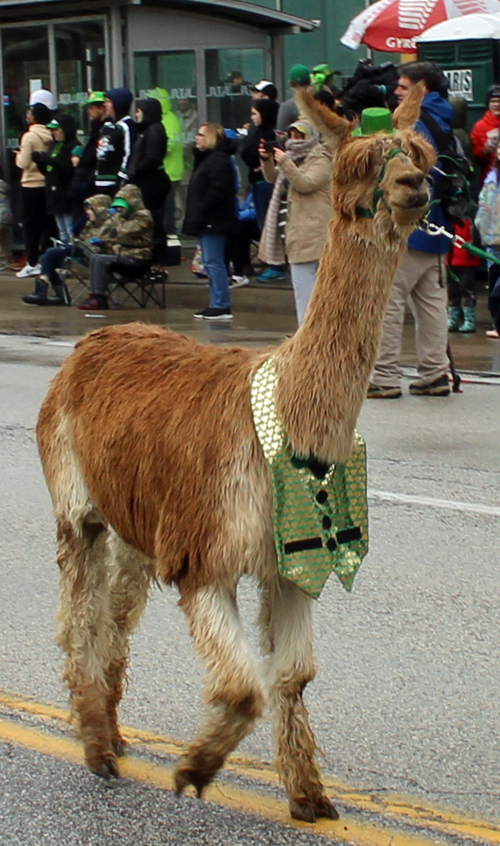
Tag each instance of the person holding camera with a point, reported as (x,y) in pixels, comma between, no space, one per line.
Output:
(305,166)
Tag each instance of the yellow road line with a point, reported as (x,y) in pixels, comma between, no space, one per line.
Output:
(400,809)
(342,831)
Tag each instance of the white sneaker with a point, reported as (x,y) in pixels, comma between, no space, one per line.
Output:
(29,270)
(239,281)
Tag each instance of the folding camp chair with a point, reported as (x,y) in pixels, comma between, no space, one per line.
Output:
(142,284)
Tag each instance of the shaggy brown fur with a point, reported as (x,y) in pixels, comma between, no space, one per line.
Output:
(155,470)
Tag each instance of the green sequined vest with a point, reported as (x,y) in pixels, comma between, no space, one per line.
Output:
(320,513)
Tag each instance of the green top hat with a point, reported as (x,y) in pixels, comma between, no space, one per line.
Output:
(96,98)
(375,120)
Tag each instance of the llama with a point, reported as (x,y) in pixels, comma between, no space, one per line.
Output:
(156,472)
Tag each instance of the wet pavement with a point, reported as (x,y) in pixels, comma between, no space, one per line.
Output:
(263,314)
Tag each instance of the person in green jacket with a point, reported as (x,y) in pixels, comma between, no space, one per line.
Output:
(174,160)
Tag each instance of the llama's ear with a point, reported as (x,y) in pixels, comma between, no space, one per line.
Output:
(326,120)
(407,113)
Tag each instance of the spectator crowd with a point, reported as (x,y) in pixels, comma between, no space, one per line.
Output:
(263,185)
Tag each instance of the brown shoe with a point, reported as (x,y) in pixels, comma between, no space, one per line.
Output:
(18,263)
(379,392)
(439,388)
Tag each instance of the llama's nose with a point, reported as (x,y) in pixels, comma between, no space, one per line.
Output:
(411,180)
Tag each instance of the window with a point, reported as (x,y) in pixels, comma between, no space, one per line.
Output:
(81,67)
(229,75)
(26,68)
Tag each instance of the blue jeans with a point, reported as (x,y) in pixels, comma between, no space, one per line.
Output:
(212,254)
(51,260)
(65,226)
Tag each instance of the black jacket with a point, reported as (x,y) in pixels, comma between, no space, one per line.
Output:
(114,147)
(250,149)
(58,169)
(210,204)
(151,146)
(83,182)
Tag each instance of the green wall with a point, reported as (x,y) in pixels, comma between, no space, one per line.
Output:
(323,45)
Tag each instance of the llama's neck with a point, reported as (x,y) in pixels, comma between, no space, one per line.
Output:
(323,371)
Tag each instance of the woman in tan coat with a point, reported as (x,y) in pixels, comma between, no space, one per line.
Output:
(35,221)
(306,167)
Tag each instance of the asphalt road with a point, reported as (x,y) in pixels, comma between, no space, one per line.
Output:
(406,698)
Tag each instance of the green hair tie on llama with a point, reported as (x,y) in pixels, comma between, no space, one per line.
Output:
(320,513)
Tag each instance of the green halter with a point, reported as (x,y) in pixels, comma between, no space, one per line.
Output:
(378,194)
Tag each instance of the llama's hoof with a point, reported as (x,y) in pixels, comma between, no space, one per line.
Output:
(309,810)
(184,776)
(107,767)
(325,809)
(119,746)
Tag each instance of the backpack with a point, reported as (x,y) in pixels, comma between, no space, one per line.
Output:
(453,188)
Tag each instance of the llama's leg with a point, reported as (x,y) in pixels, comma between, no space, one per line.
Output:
(234,693)
(286,625)
(129,582)
(86,634)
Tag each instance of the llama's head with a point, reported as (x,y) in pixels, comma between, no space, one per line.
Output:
(382,175)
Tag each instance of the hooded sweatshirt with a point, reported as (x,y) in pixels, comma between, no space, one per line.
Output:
(479,137)
(174,159)
(57,167)
(442,112)
(268,110)
(115,142)
(130,235)
(150,148)
(37,139)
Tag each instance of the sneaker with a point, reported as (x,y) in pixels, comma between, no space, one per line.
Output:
(94,303)
(270,274)
(492,333)
(439,388)
(29,270)
(239,281)
(379,392)
(214,314)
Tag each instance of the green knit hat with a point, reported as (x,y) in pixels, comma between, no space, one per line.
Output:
(375,120)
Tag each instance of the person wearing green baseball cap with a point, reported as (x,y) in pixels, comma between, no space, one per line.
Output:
(298,77)
(96,98)
(83,182)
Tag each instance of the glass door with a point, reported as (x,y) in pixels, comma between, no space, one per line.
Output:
(81,65)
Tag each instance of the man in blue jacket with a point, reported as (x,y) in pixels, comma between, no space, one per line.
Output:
(420,280)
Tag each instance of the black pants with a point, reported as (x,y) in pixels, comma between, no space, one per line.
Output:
(462,290)
(154,189)
(38,226)
(102,267)
(494,295)
(238,245)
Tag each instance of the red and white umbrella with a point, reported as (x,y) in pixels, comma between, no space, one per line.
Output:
(392,25)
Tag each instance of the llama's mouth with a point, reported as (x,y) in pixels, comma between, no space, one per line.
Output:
(414,204)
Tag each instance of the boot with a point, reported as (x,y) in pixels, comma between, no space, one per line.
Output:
(61,297)
(469,324)
(454,315)
(39,295)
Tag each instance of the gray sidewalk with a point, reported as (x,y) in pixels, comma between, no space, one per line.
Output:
(263,314)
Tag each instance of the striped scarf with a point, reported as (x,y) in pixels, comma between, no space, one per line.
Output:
(274,250)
